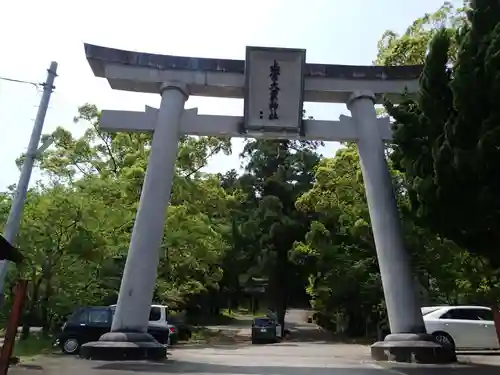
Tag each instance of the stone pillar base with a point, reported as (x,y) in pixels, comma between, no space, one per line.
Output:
(412,348)
(123,346)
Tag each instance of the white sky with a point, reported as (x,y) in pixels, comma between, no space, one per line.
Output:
(33,33)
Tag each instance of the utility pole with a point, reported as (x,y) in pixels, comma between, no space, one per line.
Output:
(11,227)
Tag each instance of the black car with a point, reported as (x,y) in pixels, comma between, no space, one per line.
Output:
(264,330)
(88,324)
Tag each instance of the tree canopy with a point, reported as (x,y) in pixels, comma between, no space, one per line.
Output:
(446,140)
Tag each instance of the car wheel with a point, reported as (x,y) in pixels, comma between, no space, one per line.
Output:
(70,346)
(444,339)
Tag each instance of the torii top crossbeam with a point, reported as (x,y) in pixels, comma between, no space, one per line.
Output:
(143,72)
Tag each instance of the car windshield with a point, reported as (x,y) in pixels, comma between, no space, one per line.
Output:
(428,310)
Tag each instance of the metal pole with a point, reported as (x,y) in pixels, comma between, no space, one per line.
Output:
(11,227)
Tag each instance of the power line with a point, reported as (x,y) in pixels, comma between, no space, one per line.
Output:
(20,81)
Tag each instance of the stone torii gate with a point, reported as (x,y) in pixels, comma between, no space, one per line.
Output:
(273,83)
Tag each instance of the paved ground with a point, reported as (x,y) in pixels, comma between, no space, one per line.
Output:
(307,352)
(277,359)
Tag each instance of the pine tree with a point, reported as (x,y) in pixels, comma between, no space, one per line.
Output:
(448,139)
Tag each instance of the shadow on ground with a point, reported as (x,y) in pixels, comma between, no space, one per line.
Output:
(311,333)
(28,366)
(219,345)
(298,333)
(477,353)
(465,369)
(209,320)
(177,367)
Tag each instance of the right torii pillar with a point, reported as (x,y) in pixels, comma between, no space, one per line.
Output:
(409,340)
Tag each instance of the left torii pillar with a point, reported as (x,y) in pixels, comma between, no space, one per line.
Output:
(128,338)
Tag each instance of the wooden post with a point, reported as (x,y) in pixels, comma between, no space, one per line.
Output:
(11,331)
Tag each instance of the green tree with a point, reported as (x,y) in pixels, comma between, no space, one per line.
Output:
(410,47)
(64,251)
(276,173)
(77,228)
(447,140)
(339,252)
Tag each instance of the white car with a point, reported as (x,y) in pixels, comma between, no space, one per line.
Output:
(463,327)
